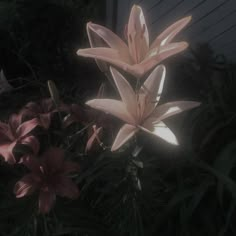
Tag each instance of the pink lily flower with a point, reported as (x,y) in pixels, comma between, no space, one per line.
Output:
(48,176)
(138,57)
(43,110)
(15,133)
(139,109)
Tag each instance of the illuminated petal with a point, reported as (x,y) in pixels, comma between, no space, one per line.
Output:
(172,108)
(152,88)
(109,55)
(113,107)
(96,41)
(168,34)
(138,38)
(111,39)
(113,57)
(165,52)
(159,129)
(126,92)
(125,133)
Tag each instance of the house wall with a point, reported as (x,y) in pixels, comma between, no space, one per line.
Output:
(213,21)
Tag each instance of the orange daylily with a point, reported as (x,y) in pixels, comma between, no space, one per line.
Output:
(138,57)
(139,109)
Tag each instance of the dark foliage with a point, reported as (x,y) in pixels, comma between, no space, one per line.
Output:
(184,191)
(44,35)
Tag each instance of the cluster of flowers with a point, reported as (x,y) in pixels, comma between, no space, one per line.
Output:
(48,170)
(138,108)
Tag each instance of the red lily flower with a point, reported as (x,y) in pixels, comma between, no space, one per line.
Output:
(48,176)
(15,133)
(43,110)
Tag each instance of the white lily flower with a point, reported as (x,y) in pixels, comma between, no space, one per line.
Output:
(140,110)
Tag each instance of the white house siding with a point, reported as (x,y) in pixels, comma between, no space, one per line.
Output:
(213,21)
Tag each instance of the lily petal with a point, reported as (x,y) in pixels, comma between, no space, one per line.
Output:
(27,127)
(113,57)
(153,85)
(126,92)
(113,107)
(93,138)
(152,89)
(172,108)
(96,41)
(138,37)
(111,39)
(125,133)
(46,201)
(25,186)
(6,150)
(168,34)
(109,55)
(159,129)
(161,54)
(14,121)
